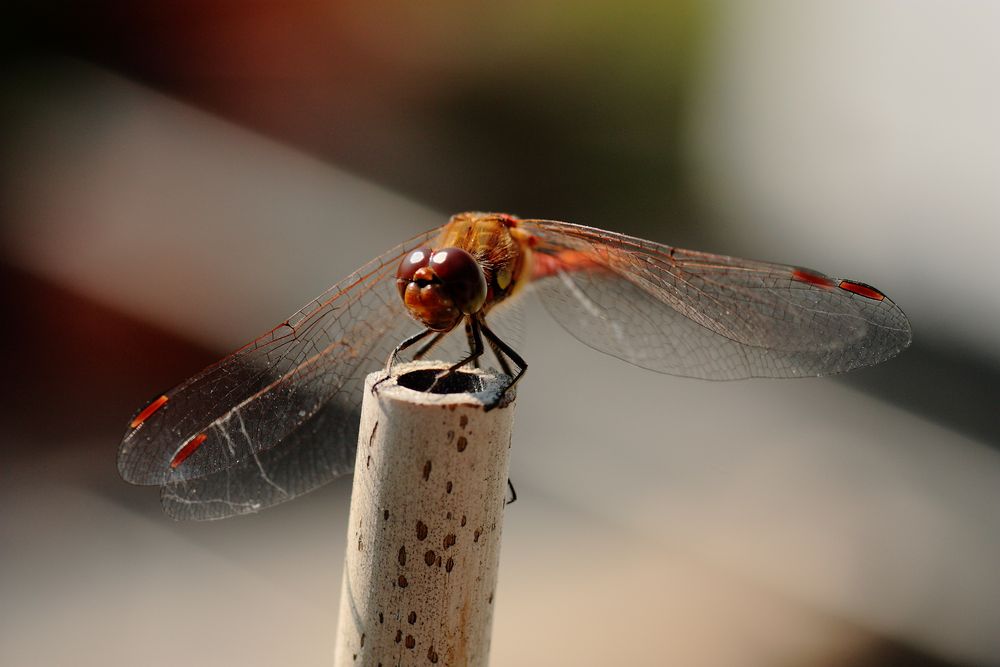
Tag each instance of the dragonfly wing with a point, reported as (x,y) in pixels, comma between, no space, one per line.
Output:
(304,372)
(319,450)
(708,316)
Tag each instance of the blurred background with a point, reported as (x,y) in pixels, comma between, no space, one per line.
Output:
(179,176)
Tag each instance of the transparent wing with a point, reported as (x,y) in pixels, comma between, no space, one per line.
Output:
(321,448)
(314,451)
(279,417)
(255,398)
(708,316)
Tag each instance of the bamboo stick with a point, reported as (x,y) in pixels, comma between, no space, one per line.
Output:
(427,507)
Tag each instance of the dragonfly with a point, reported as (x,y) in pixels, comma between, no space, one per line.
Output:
(279,417)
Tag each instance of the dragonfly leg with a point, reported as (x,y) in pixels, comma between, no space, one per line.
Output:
(522,366)
(468,335)
(476,351)
(409,342)
(426,347)
(501,358)
(513,494)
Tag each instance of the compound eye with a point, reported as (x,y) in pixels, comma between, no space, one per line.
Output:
(462,276)
(416,259)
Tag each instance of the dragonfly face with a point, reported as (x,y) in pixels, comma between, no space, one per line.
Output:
(279,417)
(440,287)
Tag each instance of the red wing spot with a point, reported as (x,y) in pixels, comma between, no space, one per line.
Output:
(187,449)
(812,278)
(567,260)
(508,219)
(147,411)
(861,289)
(544,266)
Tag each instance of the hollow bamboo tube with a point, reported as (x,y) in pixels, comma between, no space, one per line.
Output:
(423,542)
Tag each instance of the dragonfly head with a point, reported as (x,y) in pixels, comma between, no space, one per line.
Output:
(440,287)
